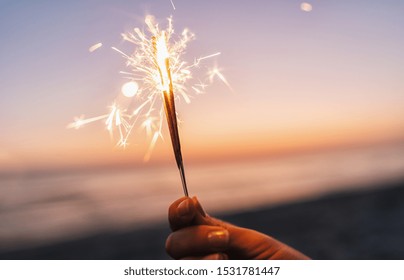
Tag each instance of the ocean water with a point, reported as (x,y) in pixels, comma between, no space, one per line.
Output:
(44,209)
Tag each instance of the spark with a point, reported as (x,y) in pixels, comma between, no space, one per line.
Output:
(172,4)
(197,61)
(151,146)
(216,72)
(156,70)
(95,47)
(116,119)
(80,121)
(306,7)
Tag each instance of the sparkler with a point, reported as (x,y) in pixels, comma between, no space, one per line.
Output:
(163,66)
(157,71)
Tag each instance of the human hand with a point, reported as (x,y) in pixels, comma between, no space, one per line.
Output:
(196,235)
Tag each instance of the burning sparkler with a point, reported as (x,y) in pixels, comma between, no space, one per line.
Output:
(157,71)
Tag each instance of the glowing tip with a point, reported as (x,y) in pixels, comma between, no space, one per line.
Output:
(162,55)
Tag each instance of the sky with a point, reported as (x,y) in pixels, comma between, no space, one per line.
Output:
(300,80)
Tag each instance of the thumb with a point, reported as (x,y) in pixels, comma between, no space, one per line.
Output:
(187,211)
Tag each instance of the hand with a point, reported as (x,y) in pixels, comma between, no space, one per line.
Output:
(196,235)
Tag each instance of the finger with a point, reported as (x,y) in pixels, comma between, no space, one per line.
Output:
(181,213)
(196,241)
(187,211)
(202,218)
(216,256)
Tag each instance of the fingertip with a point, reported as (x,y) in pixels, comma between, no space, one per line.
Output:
(198,206)
(194,241)
(181,213)
(219,238)
(183,209)
(178,201)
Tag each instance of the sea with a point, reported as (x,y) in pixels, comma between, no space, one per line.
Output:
(45,208)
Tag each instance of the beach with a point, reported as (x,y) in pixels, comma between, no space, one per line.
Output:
(361,225)
(334,205)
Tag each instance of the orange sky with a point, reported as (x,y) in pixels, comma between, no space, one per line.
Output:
(301,80)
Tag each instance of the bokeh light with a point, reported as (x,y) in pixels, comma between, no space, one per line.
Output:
(130,89)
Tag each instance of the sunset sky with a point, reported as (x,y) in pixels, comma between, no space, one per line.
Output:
(301,80)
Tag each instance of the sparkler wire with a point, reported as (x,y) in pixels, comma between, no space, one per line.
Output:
(171,116)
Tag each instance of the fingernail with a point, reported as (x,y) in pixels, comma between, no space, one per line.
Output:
(218,239)
(198,206)
(183,208)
